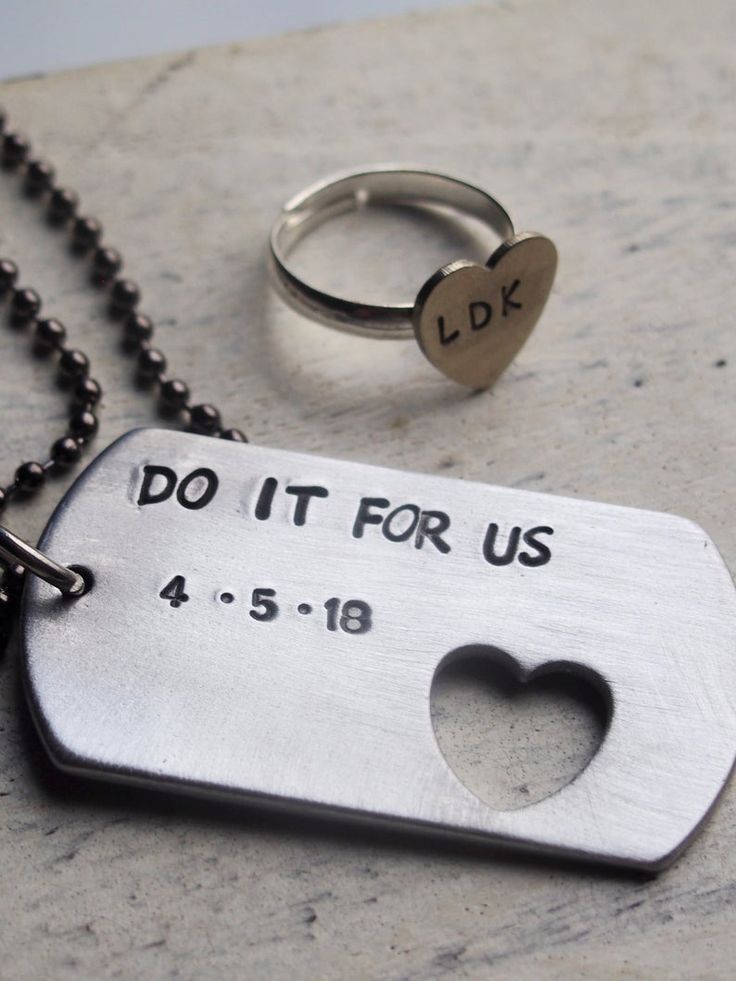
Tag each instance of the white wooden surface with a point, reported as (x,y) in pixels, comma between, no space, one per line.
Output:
(609,127)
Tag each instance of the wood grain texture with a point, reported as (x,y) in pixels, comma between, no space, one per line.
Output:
(608,127)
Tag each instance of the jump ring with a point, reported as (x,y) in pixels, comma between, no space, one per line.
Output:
(14,549)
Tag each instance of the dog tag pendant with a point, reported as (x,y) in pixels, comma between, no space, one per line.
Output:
(267,625)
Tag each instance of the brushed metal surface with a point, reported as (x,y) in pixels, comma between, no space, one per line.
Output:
(196,693)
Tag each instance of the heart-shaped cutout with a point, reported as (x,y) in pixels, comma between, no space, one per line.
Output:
(513,739)
(472,320)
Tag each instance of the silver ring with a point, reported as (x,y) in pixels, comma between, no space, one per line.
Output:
(470,320)
(15,549)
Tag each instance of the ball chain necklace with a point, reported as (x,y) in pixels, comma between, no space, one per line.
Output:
(49,337)
(250,623)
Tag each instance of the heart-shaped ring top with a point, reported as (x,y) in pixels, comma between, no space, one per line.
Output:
(471,320)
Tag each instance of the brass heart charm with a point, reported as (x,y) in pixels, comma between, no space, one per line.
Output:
(472,320)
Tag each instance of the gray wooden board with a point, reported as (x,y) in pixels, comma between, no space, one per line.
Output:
(608,127)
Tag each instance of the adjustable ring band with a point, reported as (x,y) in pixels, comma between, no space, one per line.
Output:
(380,185)
(467,318)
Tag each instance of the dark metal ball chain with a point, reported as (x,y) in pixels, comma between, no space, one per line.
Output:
(49,337)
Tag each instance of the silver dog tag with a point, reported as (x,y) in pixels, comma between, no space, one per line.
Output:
(267,625)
